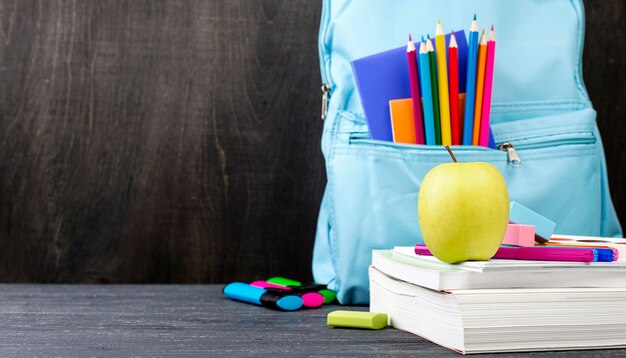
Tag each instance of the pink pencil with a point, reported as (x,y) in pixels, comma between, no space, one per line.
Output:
(411,57)
(532,253)
(486,110)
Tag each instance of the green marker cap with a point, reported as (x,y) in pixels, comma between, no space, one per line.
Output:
(329,295)
(283,281)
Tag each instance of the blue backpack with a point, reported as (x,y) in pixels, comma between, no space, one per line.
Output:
(540,106)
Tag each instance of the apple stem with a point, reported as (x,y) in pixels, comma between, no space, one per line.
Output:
(451,154)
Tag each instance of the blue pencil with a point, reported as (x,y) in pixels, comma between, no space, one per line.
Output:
(470,91)
(429,117)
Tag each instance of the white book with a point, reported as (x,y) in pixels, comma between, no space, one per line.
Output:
(429,272)
(504,320)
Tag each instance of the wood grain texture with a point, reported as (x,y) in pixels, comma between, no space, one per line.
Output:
(158,141)
(142,141)
(189,320)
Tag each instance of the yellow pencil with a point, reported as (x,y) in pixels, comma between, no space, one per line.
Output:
(480,84)
(444,100)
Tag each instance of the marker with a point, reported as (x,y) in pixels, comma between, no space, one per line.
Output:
(261,297)
(329,295)
(310,299)
(444,99)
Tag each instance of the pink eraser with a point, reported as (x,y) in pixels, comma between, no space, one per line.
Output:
(312,299)
(519,235)
(265,284)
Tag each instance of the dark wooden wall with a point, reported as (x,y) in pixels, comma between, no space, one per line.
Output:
(178,141)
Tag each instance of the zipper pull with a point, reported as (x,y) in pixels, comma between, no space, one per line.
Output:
(325,90)
(514,159)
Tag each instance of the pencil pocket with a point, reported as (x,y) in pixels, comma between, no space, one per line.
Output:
(553,163)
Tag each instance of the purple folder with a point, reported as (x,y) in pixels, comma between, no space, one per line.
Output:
(385,76)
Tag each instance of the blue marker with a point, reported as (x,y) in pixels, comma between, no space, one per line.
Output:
(259,296)
(470,90)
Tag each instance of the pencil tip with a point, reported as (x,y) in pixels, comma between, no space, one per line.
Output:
(428,36)
(423,38)
(410,39)
(474,17)
(491,27)
(452,32)
(439,21)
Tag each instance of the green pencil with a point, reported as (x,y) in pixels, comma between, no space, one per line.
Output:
(435,90)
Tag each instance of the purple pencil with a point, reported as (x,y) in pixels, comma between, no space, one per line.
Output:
(415,92)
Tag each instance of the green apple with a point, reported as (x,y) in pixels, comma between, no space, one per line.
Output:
(463,211)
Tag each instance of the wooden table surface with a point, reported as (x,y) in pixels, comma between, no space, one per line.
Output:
(185,320)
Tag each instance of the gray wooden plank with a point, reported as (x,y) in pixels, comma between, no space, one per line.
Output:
(185,320)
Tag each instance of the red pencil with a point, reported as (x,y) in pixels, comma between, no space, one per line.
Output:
(453,63)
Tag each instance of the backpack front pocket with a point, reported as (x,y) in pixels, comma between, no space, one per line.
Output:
(373,185)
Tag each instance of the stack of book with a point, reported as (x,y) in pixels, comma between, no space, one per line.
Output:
(501,305)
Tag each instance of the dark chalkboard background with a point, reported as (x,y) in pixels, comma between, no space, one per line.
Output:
(178,141)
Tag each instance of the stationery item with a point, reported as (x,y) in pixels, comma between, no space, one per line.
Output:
(472,59)
(329,295)
(357,319)
(571,240)
(444,99)
(544,227)
(282,281)
(402,121)
(271,299)
(430,272)
(504,319)
(265,284)
(533,253)
(486,105)
(456,125)
(416,97)
(519,235)
(384,76)
(309,299)
(429,114)
(480,84)
(434,88)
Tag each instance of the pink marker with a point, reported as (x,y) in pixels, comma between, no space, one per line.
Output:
(483,139)
(532,253)
(265,284)
(309,299)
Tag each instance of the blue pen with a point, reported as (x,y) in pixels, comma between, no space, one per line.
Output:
(470,91)
(259,296)
(429,117)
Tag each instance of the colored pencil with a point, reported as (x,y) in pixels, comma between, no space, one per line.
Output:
(533,253)
(470,92)
(486,111)
(434,89)
(444,99)
(415,91)
(480,85)
(455,123)
(429,118)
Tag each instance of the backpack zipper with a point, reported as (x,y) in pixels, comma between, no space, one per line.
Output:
(325,95)
(514,159)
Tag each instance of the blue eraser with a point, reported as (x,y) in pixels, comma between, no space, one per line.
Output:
(544,227)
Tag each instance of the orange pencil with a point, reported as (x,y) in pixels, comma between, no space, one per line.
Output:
(480,84)
(453,63)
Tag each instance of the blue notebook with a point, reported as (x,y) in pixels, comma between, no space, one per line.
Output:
(385,76)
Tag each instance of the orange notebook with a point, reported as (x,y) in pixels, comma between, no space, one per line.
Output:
(402,124)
